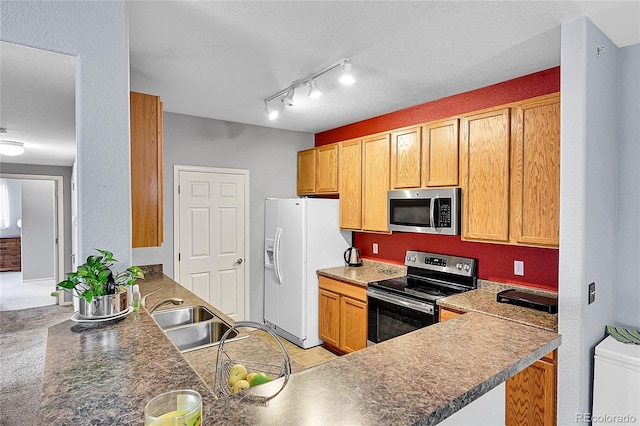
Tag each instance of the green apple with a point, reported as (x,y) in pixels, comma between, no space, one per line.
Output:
(239,386)
(238,372)
(259,379)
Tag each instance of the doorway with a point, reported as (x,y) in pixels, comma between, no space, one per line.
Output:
(211,236)
(34,225)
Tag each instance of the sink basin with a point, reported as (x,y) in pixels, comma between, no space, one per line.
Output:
(201,335)
(182,316)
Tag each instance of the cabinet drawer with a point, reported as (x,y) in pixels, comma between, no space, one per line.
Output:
(350,290)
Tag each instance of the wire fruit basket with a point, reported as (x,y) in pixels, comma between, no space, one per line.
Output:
(276,370)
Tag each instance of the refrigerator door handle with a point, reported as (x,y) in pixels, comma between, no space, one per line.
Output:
(276,255)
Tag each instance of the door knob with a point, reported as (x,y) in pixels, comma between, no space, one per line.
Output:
(238,262)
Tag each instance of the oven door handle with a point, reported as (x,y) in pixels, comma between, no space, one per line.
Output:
(427,309)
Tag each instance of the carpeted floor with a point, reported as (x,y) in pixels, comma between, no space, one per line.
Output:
(23,336)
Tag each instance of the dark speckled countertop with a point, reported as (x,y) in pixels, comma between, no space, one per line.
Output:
(104,375)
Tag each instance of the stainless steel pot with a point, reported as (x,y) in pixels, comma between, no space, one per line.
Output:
(104,306)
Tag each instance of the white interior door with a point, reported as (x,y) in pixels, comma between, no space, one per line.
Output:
(212,238)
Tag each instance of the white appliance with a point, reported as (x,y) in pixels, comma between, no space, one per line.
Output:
(616,383)
(301,236)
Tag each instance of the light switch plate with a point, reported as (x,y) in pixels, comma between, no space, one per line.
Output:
(592,293)
(375,248)
(518,267)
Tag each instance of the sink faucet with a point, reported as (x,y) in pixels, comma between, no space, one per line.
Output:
(174,300)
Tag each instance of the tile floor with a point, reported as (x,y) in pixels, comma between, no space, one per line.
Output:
(15,294)
(305,357)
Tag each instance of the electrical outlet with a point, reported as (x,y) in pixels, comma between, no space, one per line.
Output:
(592,293)
(375,248)
(518,267)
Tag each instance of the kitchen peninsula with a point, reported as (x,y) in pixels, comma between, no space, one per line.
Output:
(106,374)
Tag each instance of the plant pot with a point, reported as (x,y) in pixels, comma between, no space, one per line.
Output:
(104,306)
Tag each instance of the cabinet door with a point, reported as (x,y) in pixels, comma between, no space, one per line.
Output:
(484,172)
(447,314)
(146,170)
(531,396)
(350,184)
(535,184)
(329,317)
(440,153)
(327,169)
(353,324)
(375,175)
(405,158)
(306,171)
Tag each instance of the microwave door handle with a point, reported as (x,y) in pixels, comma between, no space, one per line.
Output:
(432,207)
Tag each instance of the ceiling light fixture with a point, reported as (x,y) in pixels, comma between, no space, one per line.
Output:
(11,148)
(314,92)
(347,77)
(272,114)
(286,94)
(288,98)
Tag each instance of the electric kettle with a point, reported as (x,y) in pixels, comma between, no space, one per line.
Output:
(352,257)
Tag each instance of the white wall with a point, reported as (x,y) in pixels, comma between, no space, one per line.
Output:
(97,34)
(38,230)
(15,209)
(627,277)
(270,155)
(588,181)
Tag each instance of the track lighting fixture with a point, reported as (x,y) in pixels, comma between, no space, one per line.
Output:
(314,92)
(347,78)
(272,114)
(288,98)
(286,94)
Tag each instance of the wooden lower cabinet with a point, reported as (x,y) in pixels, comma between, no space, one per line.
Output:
(342,314)
(10,254)
(530,395)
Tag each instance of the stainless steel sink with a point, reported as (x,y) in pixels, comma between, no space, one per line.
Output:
(182,316)
(201,335)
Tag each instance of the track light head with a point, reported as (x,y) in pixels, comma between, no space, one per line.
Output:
(314,92)
(347,77)
(272,114)
(288,98)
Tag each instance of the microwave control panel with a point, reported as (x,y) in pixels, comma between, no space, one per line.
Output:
(444,213)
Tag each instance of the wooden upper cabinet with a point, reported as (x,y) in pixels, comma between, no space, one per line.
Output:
(405,158)
(440,153)
(535,182)
(484,175)
(375,182)
(146,170)
(327,169)
(350,184)
(306,171)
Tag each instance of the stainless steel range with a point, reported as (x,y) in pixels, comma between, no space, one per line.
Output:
(400,305)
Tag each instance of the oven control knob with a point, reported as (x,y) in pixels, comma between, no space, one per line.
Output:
(414,258)
(459,265)
(466,267)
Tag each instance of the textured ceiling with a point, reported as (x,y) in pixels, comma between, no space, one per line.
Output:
(221,59)
(38,104)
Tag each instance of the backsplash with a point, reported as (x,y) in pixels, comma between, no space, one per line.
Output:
(495,261)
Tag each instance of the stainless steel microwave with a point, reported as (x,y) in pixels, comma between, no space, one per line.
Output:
(431,211)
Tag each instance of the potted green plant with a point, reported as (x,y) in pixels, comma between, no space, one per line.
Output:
(101,293)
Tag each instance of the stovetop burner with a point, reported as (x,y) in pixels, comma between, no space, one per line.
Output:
(432,276)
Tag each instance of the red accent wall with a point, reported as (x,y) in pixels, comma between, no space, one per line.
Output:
(495,261)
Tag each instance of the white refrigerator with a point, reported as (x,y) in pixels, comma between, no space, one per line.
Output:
(301,236)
